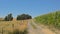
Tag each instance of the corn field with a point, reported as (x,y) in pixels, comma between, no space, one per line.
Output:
(50,19)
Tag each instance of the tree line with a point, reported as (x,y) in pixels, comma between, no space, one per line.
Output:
(9,17)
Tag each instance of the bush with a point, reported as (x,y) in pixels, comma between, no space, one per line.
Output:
(23,17)
(9,17)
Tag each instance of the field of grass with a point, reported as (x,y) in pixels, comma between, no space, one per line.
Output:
(50,19)
(10,26)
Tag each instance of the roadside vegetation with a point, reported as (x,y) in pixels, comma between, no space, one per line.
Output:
(11,27)
(50,19)
(8,26)
(18,32)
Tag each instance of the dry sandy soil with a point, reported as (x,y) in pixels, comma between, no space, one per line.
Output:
(39,29)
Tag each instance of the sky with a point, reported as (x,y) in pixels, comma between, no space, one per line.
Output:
(31,7)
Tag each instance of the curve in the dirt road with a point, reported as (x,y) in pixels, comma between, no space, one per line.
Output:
(38,30)
(32,30)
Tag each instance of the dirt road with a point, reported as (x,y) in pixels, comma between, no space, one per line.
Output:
(38,29)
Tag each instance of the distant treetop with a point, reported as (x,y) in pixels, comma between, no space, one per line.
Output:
(24,17)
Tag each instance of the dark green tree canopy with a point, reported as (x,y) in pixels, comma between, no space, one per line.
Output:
(9,17)
(23,17)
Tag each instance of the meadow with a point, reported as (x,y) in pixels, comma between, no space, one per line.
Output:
(8,27)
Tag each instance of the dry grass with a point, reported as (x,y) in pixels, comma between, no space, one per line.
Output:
(10,26)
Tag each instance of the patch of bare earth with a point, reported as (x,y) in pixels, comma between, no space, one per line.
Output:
(40,29)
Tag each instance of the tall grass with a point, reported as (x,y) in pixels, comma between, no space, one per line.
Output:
(50,19)
(8,27)
(18,32)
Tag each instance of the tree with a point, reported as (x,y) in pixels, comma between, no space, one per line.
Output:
(9,17)
(23,17)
